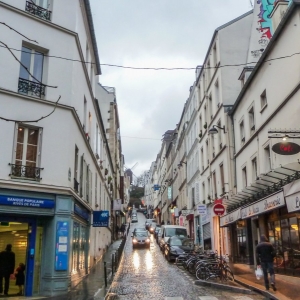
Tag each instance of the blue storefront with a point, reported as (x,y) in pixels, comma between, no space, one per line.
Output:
(49,234)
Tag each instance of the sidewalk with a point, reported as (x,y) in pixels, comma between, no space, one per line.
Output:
(288,287)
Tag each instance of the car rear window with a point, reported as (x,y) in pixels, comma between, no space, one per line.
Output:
(176,231)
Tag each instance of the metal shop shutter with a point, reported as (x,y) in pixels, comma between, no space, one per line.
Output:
(206,231)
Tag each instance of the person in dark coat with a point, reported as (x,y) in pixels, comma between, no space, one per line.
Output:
(7,267)
(265,254)
(123,228)
(20,278)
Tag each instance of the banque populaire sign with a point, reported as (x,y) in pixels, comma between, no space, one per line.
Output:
(267,204)
(26,202)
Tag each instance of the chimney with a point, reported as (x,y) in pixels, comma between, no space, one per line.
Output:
(280,7)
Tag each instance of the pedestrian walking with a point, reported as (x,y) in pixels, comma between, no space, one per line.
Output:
(117,231)
(7,267)
(123,229)
(265,254)
(20,278)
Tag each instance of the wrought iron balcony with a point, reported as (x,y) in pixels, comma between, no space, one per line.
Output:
(38,11)
(25,172)
(25,86)
(76,185)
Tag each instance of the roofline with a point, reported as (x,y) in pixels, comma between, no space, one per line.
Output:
(270,46)
(214,35)
(93,36)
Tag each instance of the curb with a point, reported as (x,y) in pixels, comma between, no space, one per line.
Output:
(223,287)
(258,290)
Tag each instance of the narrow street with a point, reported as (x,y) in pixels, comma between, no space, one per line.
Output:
(145,274)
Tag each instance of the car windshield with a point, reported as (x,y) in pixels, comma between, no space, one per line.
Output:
(139,229)
(175,242)
(188,242)
(176,231)
(141,233)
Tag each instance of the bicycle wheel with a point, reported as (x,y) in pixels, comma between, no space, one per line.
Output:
(228,274)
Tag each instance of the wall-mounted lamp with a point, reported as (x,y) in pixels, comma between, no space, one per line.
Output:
(214,130)
(285,138)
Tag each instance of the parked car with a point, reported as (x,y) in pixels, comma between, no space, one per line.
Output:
(138,229)
(152,227)
(168,231)
(157,229)
(149,222)
(158,237)
(140,238)
(176,246)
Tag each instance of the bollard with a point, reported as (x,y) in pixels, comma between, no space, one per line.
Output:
(105,274)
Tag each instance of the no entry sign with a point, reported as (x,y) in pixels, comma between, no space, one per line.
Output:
(219,209)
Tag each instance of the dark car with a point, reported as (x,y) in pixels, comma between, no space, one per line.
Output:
(134,219)
(156,230)
(176,246)
(138,229)
(140,238)
(151,227)
(149,222)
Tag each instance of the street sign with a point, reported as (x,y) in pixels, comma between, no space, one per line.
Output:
(186,212)
(219,209)
(202,209)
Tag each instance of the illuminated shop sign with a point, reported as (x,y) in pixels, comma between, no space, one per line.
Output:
(26,202)
(286,148)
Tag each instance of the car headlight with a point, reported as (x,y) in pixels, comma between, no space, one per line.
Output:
(134,240)
(147,240)
(151,229)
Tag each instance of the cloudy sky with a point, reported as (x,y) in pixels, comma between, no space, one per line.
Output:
(154,33)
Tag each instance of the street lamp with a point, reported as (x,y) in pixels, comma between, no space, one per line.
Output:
(214,130)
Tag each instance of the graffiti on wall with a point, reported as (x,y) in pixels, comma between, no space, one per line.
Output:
(264,24)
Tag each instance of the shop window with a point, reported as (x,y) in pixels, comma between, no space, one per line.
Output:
(75,247)
(267,158)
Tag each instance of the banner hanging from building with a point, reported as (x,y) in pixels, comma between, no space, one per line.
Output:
(101,218)
(117,204)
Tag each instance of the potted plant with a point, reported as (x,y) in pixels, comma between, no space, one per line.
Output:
(200,134)
(109,178)
(205,125)
(105,172)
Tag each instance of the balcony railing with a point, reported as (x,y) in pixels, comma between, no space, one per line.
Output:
(25,172)
(76,185)
(25,86)
(38,11)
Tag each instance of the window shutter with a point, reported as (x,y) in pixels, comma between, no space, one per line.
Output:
(81,176)
(39,148)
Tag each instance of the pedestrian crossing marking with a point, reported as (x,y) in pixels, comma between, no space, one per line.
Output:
(207,298)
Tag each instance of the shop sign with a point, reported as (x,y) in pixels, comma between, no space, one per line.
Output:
(117,204)
(286,148)
(230,218)
(293,202)
(61,250)
(101,218)
(267,204)
(82,212)
(26,202)
(186,212)
(202,209)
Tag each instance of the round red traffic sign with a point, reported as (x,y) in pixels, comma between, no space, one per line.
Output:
(219,209)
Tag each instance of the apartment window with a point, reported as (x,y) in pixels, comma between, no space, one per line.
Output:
(242,132)
(215,185)
(244,176)
(205,117)
(203,192)
(222,179)
(263,99)
(84,115)
(202,159)
(215,55)
(219,136)
(39,8)
(96,188)
(33,61)
(208,190)
(193,197)
(97,142)
(254,169)
(201,128)
(76,184)
(213,148)
(251,120)
(207,152)
(27,153)
(217,93)
(210,106)
(267,158)
(208,71)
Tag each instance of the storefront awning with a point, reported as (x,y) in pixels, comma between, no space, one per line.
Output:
(264,186)
(292,196)
(230,218)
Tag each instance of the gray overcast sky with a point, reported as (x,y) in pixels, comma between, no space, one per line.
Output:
(154,33)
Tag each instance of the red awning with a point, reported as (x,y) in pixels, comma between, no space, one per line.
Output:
(190,217)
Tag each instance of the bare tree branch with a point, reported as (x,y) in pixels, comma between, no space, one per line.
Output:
(33,121)
(18,32)
(51,86)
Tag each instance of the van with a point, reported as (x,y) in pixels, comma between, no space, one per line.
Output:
(170,230)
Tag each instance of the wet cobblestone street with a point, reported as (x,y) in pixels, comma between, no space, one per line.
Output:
(146,274)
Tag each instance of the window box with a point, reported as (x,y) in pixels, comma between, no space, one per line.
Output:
(25,172)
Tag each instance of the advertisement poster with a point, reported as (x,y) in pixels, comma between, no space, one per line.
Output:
(61,250)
